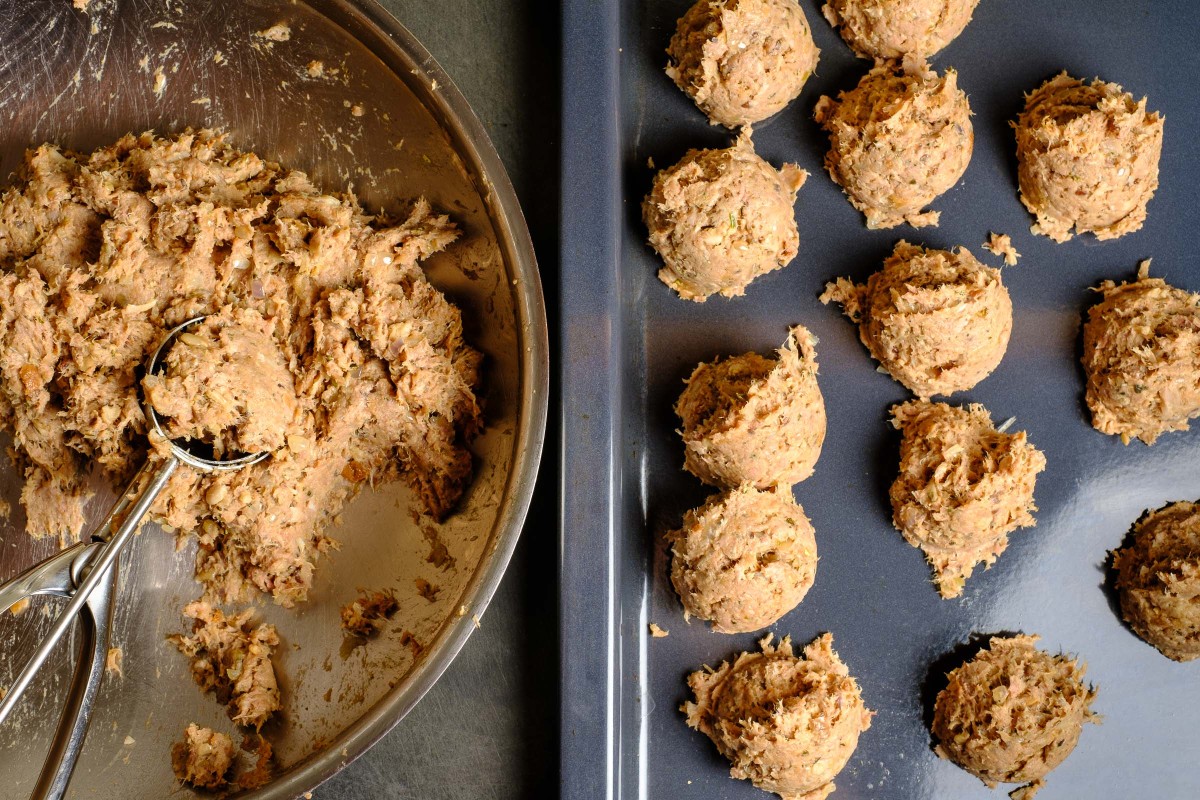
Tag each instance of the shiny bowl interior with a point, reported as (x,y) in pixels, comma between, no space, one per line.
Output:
(386,120)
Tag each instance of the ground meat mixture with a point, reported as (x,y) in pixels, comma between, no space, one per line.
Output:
(1141,354)
(879,29)
(754,419)
(1158,578)
(898,140)
(225,381)
(721,218)
(743,559)
(938,321)
(101,254)
(1087,158)
(1000,244)
(1012,713)
(364,616)
(742,60)
(203,759)
(786,724)
(114,662)
(963,487)
(232,658)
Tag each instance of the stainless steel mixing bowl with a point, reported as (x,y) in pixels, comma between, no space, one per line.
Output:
(377,114)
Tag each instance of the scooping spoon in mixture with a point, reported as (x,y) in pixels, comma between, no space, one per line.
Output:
(85,574)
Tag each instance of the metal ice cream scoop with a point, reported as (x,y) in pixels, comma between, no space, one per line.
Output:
(86,574)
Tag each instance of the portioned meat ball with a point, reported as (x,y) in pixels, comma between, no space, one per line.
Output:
(786,724)
(1141,354)
(721,218)
(1158,578)
(898,140)
(938,321)
(1087,158)
(879,29)
(963,487)
(1012,713)
(742,60)
(743,559)
(753,419)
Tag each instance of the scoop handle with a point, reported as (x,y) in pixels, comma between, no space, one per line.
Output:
(86,584)
(77,711)
(50,577)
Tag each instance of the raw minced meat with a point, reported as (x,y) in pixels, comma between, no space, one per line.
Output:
(364,616)
(231,657)
(786,724)
(1141,354)
(880,29)
(224,381)
(1000,244)
(721,218)
(1087,158)
(898,140)
(1012,713)
(938,321)
(742,60)
(101,254)
(204,758)
(114,662)
(754,419)
(1158,578)
(743,559)
(963,487)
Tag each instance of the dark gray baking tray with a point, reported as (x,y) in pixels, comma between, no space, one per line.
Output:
(627,343)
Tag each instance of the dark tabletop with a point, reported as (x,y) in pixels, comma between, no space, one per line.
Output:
(488,729)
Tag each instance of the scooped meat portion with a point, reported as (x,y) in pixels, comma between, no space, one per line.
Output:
(743,559)
(1087,158)
(231,657)
(203,759)
(742,60)
(225,381)
(788,725)
(1158,578)
(963,487)
(753,419)
(880,29)
(1141,354)
(898,140)
(1012,713)
(102,254)
(937,320)
(721,218)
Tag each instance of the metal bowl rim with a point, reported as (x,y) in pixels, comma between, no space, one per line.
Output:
(533,340)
